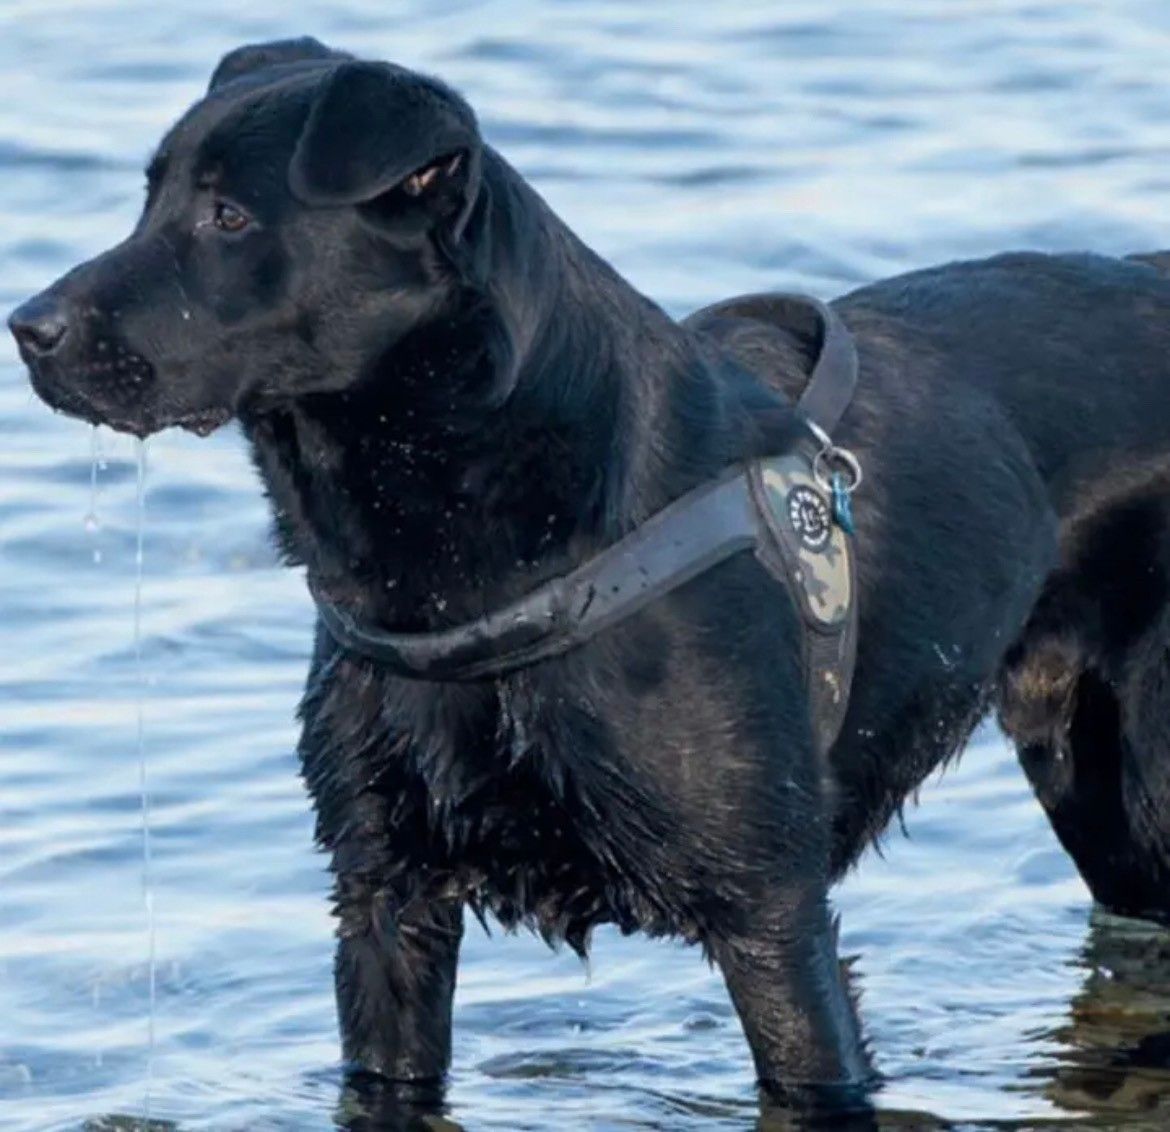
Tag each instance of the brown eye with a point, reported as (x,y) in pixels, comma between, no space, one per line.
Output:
(227,218)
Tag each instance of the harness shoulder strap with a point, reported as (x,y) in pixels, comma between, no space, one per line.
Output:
(805,550)
(833,379)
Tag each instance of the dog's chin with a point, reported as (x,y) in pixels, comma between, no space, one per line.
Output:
(202,422)
(136,422)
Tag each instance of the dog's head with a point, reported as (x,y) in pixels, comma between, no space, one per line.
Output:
(300,220)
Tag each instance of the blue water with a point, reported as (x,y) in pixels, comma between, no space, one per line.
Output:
(706,149)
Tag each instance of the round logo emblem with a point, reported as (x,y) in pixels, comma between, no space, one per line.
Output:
(809,515)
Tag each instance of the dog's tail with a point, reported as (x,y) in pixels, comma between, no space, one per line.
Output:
(1159,261)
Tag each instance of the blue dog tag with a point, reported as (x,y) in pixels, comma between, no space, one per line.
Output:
(842,505)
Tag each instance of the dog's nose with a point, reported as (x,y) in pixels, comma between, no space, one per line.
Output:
(39,325)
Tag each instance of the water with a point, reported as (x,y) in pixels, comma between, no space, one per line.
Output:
(705,149)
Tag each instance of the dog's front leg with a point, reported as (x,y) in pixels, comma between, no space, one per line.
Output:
(787,986)
(395,976)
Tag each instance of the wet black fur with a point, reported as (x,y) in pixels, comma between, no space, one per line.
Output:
(450,399)
(1086,693)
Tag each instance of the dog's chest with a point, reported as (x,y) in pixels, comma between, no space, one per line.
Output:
(536,845)
(490,799)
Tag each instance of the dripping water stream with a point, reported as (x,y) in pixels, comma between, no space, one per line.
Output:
(97,464)
(143,778)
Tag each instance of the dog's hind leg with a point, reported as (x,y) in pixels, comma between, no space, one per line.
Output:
(1144,696)
(788,988)
(1037,700)
(395,977)
(1097,754)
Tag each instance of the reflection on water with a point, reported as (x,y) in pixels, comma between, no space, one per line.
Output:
(707,150)
(1115,1059)
(117,1123)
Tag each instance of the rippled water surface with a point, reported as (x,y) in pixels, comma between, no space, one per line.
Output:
(706,149)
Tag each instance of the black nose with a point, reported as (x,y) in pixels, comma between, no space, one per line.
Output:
(39,325)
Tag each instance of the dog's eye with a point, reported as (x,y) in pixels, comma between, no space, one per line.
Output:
(228,218)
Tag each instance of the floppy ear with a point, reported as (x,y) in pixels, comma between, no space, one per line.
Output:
(379,134)
(260,56)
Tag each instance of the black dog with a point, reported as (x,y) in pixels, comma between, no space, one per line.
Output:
(451,399)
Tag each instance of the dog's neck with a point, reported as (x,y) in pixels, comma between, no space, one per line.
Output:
(420,500)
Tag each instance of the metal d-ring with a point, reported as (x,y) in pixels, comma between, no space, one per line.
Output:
(828,477)
(824,474)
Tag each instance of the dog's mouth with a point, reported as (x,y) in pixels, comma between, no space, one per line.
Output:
(140,421)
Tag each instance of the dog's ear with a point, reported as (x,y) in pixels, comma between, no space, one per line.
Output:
(402,145)
(261,56)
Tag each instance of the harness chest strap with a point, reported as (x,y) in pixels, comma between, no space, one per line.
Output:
(776,507)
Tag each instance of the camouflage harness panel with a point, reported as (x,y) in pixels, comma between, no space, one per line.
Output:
(810,555)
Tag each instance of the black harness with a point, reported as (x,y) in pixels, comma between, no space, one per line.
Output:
(791,510)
